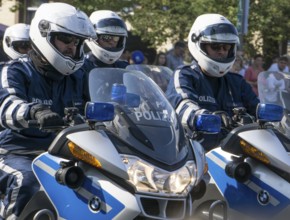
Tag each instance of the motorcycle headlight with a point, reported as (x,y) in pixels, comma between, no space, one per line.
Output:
(148,178)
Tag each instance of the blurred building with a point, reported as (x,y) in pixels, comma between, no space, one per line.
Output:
(9,15)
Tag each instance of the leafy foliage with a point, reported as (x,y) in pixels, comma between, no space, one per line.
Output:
(162,21)
(271,19)
(158,21)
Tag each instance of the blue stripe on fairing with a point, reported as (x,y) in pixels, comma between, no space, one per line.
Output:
(241,197)
(70,204)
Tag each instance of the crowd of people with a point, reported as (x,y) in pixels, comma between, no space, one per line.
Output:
(250,69)
(48,72)
(171,58)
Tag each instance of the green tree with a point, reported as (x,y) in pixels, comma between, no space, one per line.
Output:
(161,21)
(158,21)
(271,20)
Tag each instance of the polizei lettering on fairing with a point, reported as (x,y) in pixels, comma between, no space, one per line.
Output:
(152,115)
(206,99)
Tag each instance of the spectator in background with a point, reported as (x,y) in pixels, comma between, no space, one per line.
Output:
(275,83)
(252,72)
(246,59)
(137,57)
(238,66)
(175,57)
(146,58)
(125,55)
(275,59)
(281,65)
(160,59)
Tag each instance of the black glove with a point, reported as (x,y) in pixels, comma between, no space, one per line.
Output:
(45,117)
(225,119)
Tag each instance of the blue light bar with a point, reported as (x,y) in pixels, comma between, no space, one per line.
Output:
(269,112)
(99,111)
(133,100)
(118,93)
(208,123)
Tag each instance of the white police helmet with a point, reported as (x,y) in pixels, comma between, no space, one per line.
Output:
(54,18)
(208,29)
(107,22)
(16,36)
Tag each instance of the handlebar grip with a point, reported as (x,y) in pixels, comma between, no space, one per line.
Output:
(33,124)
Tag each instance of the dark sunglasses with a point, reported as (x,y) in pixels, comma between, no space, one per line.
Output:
(108,38)
(217,46)
(25,45)
(68,39)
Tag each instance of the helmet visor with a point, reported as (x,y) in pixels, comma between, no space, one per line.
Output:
(21,46)
(110,22)
(219,29)
(108,38)
(111,26)
(223,33)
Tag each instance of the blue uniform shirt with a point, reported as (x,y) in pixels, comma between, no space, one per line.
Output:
(191,92)
(21,87)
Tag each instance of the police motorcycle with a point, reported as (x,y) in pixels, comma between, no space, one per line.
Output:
(159,74)
(249,175)
(128,160)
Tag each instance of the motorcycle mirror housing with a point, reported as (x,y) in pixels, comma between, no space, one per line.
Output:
(99,111)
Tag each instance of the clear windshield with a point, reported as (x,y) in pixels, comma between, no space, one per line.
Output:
(143,116)
(159,74)
(140,95)
(274,87)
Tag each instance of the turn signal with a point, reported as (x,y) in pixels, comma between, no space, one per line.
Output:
(83,155)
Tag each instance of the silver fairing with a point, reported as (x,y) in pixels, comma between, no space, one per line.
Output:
(267,142)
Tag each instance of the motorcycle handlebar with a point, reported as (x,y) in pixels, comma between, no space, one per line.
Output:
(35,124)
(240,117)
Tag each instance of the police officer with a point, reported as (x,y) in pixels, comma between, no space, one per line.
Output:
(39,87)
(206,85)
(16,41)
(108,46)
(110,42)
